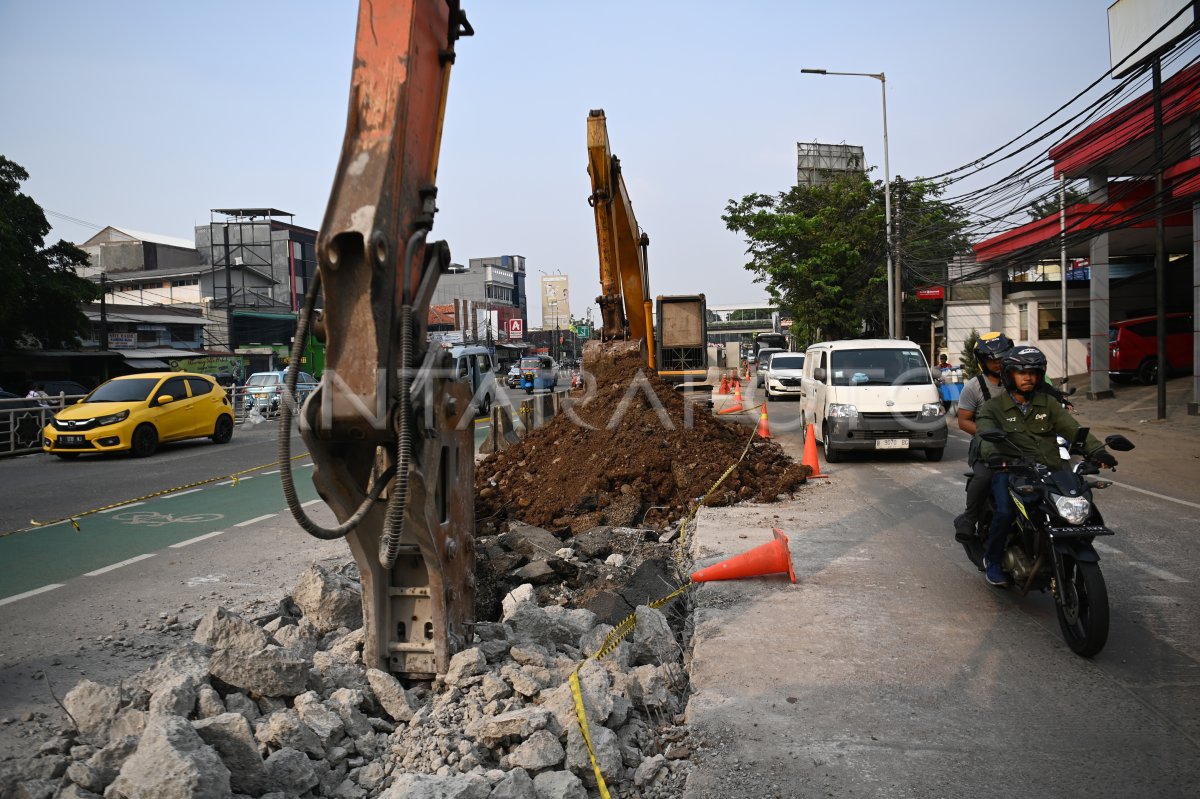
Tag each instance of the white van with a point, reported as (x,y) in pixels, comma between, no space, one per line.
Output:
(473,365)
(872,394)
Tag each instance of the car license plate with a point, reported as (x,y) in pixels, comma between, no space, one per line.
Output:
(891,443)
(70,439)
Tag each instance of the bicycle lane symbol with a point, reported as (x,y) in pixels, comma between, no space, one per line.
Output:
(154,519)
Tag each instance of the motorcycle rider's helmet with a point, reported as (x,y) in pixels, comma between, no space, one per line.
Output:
(991,345)
(1022,359)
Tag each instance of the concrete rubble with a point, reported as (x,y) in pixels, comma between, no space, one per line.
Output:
(285,707)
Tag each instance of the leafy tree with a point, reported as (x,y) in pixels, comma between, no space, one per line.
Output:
(42,294)
(966,356)
(821,250)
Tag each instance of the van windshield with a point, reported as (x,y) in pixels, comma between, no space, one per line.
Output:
(531,363)
(878,367)
(781,361)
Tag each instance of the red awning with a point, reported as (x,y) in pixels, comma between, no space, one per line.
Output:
(1131,124)
(1129,208)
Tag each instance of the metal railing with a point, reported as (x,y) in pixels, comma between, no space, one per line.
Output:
(22,420)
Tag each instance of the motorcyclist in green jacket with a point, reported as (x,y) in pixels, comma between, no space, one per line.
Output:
(1031,420)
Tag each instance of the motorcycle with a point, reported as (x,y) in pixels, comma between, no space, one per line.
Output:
(1049,546)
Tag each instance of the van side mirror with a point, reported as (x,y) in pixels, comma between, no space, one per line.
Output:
(819,374)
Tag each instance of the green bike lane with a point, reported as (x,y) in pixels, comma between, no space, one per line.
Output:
(45,558)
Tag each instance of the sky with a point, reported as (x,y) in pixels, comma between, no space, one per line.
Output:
(146,115)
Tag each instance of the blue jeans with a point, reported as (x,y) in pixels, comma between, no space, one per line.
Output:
(1006,512)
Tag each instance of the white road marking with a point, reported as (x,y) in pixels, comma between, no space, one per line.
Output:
(249,522)
(122,507)
(118,565)
(18,597)
(197,539)
(208,578)
(273,471)
(303,466)
(1157,495)
(239,480)
(931,470)
(311,502)
(1154,571)
(181,493)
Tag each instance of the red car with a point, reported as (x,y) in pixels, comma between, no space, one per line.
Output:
(1133,347)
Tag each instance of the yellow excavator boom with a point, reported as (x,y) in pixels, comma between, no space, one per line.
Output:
(625,307)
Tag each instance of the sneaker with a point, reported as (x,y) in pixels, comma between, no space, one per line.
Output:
(994,574)
(964,529)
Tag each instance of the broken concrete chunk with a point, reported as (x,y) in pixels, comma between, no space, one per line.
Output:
(175,696)
(93,706)
(516,784)
(606,748)
(533,542)
(223,629)
(290,772)
(391,695)
(652,640)
(230,735)
(268,672)
(558,785)
(429,786)
(283,729)
(465,664)
(538,752)
(520,595)
(172,762)
(329,600)
(208,702)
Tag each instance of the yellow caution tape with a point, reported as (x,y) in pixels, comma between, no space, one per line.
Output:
(611,642)
(34,523)
(690,518)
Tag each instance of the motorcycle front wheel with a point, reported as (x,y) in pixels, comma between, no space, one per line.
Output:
(1083,607)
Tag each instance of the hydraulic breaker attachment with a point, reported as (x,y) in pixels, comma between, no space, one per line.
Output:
(390,432)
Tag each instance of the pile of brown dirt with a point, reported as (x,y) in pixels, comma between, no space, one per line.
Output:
(624,456)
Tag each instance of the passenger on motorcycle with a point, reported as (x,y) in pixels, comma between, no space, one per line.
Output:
(1032,420)
(988,350)
(975,393)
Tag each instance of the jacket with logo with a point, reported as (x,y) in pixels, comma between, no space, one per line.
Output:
(1030,434)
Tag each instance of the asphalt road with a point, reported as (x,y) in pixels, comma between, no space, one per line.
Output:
(892,669)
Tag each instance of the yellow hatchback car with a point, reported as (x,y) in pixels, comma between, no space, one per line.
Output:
(136,412)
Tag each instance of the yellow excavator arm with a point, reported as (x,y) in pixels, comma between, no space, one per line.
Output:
(624,300)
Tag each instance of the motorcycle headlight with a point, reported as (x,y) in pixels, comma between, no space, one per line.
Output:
(1073,510)
(101,421)
(932,410)
(840,411)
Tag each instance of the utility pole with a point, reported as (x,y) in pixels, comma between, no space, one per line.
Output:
(103,312)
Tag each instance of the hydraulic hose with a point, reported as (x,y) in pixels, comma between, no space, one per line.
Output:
(393,523)
(285,438)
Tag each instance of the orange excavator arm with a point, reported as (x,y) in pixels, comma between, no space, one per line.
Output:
(624,301)
(388,428)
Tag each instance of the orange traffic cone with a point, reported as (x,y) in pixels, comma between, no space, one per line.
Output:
(810,453)
(770,558)
(763,430)
(724,389)
(737,401)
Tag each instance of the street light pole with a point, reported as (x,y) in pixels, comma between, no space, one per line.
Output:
(894,289)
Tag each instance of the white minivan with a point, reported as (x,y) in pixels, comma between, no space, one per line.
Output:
(872,394)
(473,365)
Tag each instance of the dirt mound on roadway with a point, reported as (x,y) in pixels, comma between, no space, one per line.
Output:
(629,454)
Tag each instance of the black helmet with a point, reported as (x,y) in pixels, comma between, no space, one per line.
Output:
(1019,359)
(991,345)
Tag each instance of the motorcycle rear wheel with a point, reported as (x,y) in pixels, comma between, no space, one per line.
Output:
(1083,607)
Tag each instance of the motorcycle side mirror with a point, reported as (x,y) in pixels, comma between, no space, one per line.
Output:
(1118,442)
(994,435)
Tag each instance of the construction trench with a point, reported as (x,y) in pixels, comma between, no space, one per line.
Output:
(581,525)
